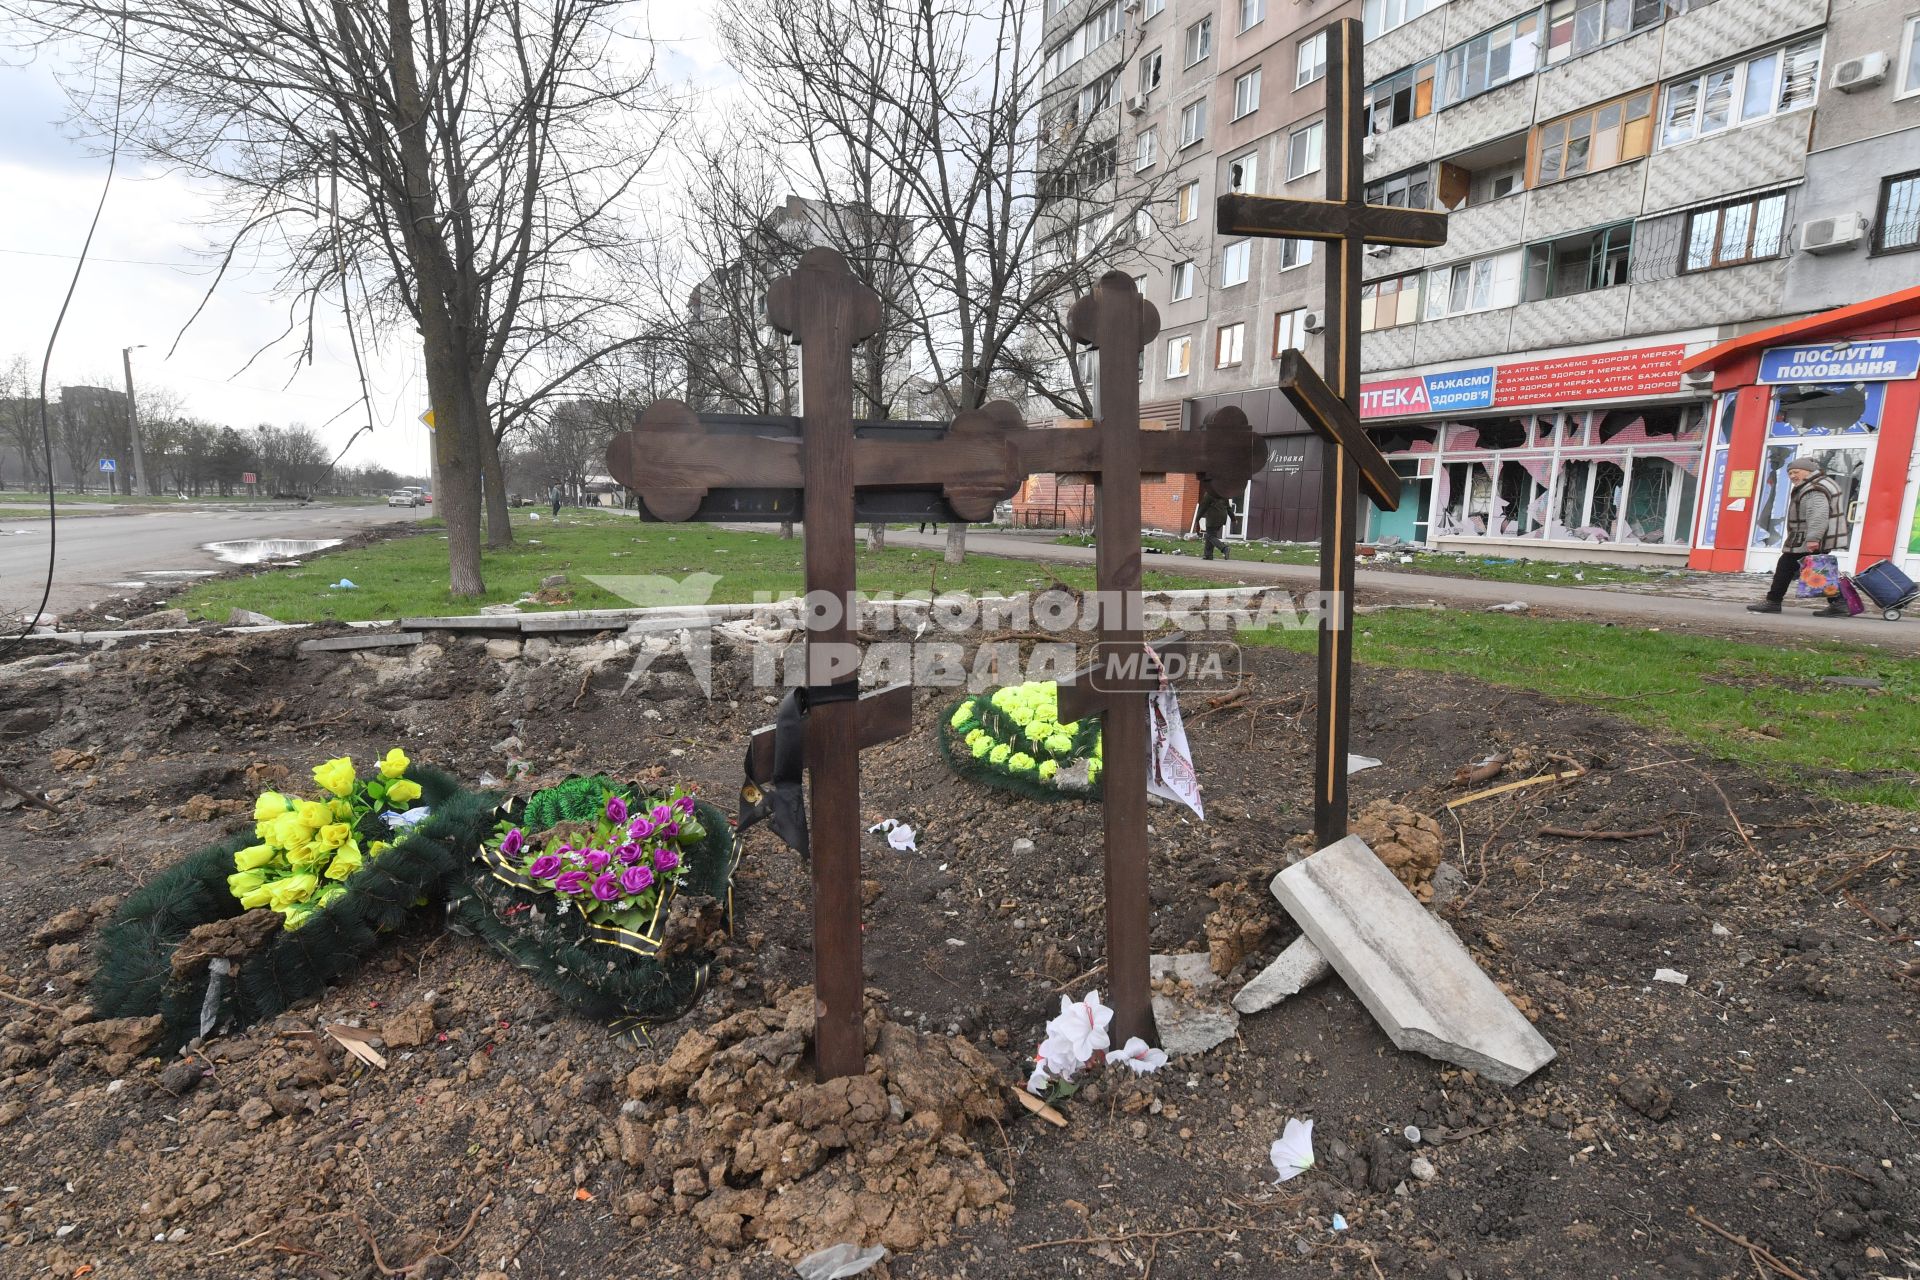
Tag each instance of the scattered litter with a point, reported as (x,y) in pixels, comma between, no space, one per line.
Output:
(1292,1151)
(899,835)
(345,584)
(488,780)
(1412,1134)
(1512,606)
(1721,931)
(1044,1110)
(1339,1222)
(534,516)
(1356,763)
(1674,976)
(1556,776)
(838,1261)
(356,1042)
(408,820)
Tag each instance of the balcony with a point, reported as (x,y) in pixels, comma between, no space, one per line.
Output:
(1739,159)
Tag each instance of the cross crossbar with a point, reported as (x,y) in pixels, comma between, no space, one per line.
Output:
(1330,221)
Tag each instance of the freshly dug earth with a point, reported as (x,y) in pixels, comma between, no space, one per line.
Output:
(1773,1096)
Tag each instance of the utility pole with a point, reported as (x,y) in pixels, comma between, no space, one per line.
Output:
(133,423)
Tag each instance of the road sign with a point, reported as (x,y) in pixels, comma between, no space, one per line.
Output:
(109,465)
(426,419)
(248,477)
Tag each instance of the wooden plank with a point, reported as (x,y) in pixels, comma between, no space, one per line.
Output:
(1329,220)
(1334,421)
(1082,695)
(884,714)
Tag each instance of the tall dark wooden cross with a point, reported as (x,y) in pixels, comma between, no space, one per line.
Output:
(1346,224)
(830,475)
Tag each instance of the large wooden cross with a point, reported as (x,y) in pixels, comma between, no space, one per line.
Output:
(1346,224)
(683,468)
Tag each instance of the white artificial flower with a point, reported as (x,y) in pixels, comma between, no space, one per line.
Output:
(1057,1055)
(1139,1057)
(1039,1080)
(901,838)
(1083,1025)
(1292,1152)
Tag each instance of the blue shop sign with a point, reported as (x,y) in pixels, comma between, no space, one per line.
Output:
(1883,361)
(1459,389)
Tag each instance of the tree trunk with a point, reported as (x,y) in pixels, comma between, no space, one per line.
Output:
(876,537)
(956,544)
(786,528)
(499,522)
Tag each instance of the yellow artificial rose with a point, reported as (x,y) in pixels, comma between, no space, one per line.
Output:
(394,764)
(346,861)
(336,775)
(242,883)
(403,792)
(342,810)
(314,815)
(258,855)
(333,835)
(271,804)
(377,848)
(302,857)
(288,890)
(289,829)
(258,896)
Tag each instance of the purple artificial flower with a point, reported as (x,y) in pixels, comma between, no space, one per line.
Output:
(669,832)
(666,860)
(570,882)
(640,829)
(684,804)
(512,843)
(595,859)
(634,880)
(661,813)
(607,887)
(544,867)
(616,809)
(628,853)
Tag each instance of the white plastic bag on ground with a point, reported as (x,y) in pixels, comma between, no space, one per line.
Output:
(835,1262)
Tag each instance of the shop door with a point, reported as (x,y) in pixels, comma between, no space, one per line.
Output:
(1409,522)
(1847,459)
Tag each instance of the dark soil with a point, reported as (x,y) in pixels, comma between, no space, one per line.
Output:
(1773,1096)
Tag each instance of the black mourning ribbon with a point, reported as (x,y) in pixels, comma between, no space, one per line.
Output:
(780,799)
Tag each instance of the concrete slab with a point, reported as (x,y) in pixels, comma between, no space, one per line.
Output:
(1195,968)
(466,622)
(1292,971)
(337,644)
(1191,1028)
(1413,975)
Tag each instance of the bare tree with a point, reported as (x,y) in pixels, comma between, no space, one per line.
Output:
(451,166)
(20,420)
(936,111)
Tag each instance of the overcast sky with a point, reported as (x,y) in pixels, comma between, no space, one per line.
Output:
(148,270)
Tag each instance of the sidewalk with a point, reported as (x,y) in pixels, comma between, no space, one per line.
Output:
(1640,607)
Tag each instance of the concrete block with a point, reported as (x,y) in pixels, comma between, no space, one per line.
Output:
(1407,967)
(1189,1028)
(472,622)
(380,640)
(1292,971)
(1195,968)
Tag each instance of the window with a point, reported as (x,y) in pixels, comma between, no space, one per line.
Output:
(1085,368)
(1480,285)
(1756,88)
(1295,253)
(1388,304)
(1909,82)
(1595,139)
(1145,148)
(1303,151)
(1182,278)
(1179,356)
(1744,231)
(1097,94)
(1055,6)
(1153,7)
(1199,39)
(1150,72)
(1243,173)
(1193,122)
(1410,190)
(1401,98)
(1382,16)
(1310,60)
(1246,94)
(1575,26)
(1234,260)
(1898,224)
(1229,344)
(1186,202)
(1289,330)
(1143,228)
(1487,61)
(1251,12)
(1580,263)
(1102,26)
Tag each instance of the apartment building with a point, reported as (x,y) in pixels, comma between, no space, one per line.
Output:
(1632,185)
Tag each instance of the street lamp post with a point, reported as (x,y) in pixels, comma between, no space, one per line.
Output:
(133,423)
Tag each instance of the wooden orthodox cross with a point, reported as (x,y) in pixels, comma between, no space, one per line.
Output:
(1346,224)
(684,468)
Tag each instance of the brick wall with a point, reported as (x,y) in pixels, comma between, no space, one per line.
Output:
(1166,503)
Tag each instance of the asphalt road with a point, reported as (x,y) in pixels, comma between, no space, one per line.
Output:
(96,556)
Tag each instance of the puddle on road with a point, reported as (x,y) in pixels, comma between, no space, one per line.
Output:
(263,550)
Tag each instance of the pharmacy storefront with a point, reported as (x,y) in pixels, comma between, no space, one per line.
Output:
(1587,456)
(1842,387)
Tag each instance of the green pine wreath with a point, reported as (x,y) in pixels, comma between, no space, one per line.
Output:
(1012,738)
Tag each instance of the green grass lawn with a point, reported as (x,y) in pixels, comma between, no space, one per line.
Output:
(1763,704)
(407,576)
(1493,568)
(19,496)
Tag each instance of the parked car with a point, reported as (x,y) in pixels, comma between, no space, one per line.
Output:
(403,498)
